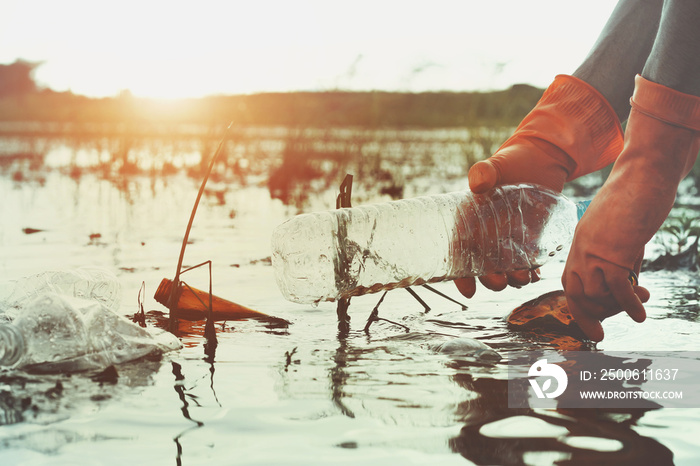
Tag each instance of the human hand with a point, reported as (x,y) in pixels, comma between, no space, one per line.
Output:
(600,275)
(504,225)
(498,281)
(506,167)
(662,141)
(559,140)
(597,289)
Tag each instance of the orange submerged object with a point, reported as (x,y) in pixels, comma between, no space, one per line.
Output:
(547,318)
(192,305)
(548,312)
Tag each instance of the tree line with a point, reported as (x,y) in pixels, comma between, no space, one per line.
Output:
(22,100)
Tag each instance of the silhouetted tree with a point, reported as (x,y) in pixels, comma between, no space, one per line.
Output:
(16,79)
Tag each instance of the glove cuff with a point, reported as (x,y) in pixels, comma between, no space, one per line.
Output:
(579,122)
(596,119)
(666,104)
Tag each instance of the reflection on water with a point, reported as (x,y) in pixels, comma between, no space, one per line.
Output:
(575,437)
(307,394)
(292,162)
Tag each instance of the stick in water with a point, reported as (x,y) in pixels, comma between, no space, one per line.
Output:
(172,302)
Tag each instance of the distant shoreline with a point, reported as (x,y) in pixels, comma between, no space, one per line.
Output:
(376,109)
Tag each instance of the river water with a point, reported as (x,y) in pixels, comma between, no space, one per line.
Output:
(307,394)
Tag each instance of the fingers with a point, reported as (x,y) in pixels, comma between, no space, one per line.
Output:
(626,298)
(497,281)
(590,308)
(466,286)
(642,292)
(581,307)
(494,281)
(482,177)
(519,278)
(516,279)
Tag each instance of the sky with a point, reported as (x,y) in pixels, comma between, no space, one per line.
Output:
(175,49)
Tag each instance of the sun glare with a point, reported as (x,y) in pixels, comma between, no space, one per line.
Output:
(169,49)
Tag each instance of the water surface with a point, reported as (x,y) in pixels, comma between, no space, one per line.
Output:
(307,394)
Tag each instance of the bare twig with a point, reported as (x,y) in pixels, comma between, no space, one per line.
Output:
(140,316)
(430,288)
(342,201)
(209,330)
(172,301)
(426,308)
(374,317)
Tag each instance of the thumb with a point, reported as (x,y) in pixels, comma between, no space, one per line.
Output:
(466,286)
(482,177)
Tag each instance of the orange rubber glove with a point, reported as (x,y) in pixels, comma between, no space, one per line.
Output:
(662,141)
(572,131)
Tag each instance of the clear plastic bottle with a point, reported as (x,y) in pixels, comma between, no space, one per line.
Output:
(347,252)
(92,283)
(57,333)
(64,321)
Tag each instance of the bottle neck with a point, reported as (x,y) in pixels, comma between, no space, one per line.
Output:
(11,345)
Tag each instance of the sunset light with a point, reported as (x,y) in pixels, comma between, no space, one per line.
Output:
(333,232)
(172,49)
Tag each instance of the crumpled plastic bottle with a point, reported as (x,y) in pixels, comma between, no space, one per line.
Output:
(325,256)
(64,321)
(91,283)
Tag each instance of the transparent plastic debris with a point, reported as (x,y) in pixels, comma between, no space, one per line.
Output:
(465,347)
(61,322)
(326,256)
(91,283)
